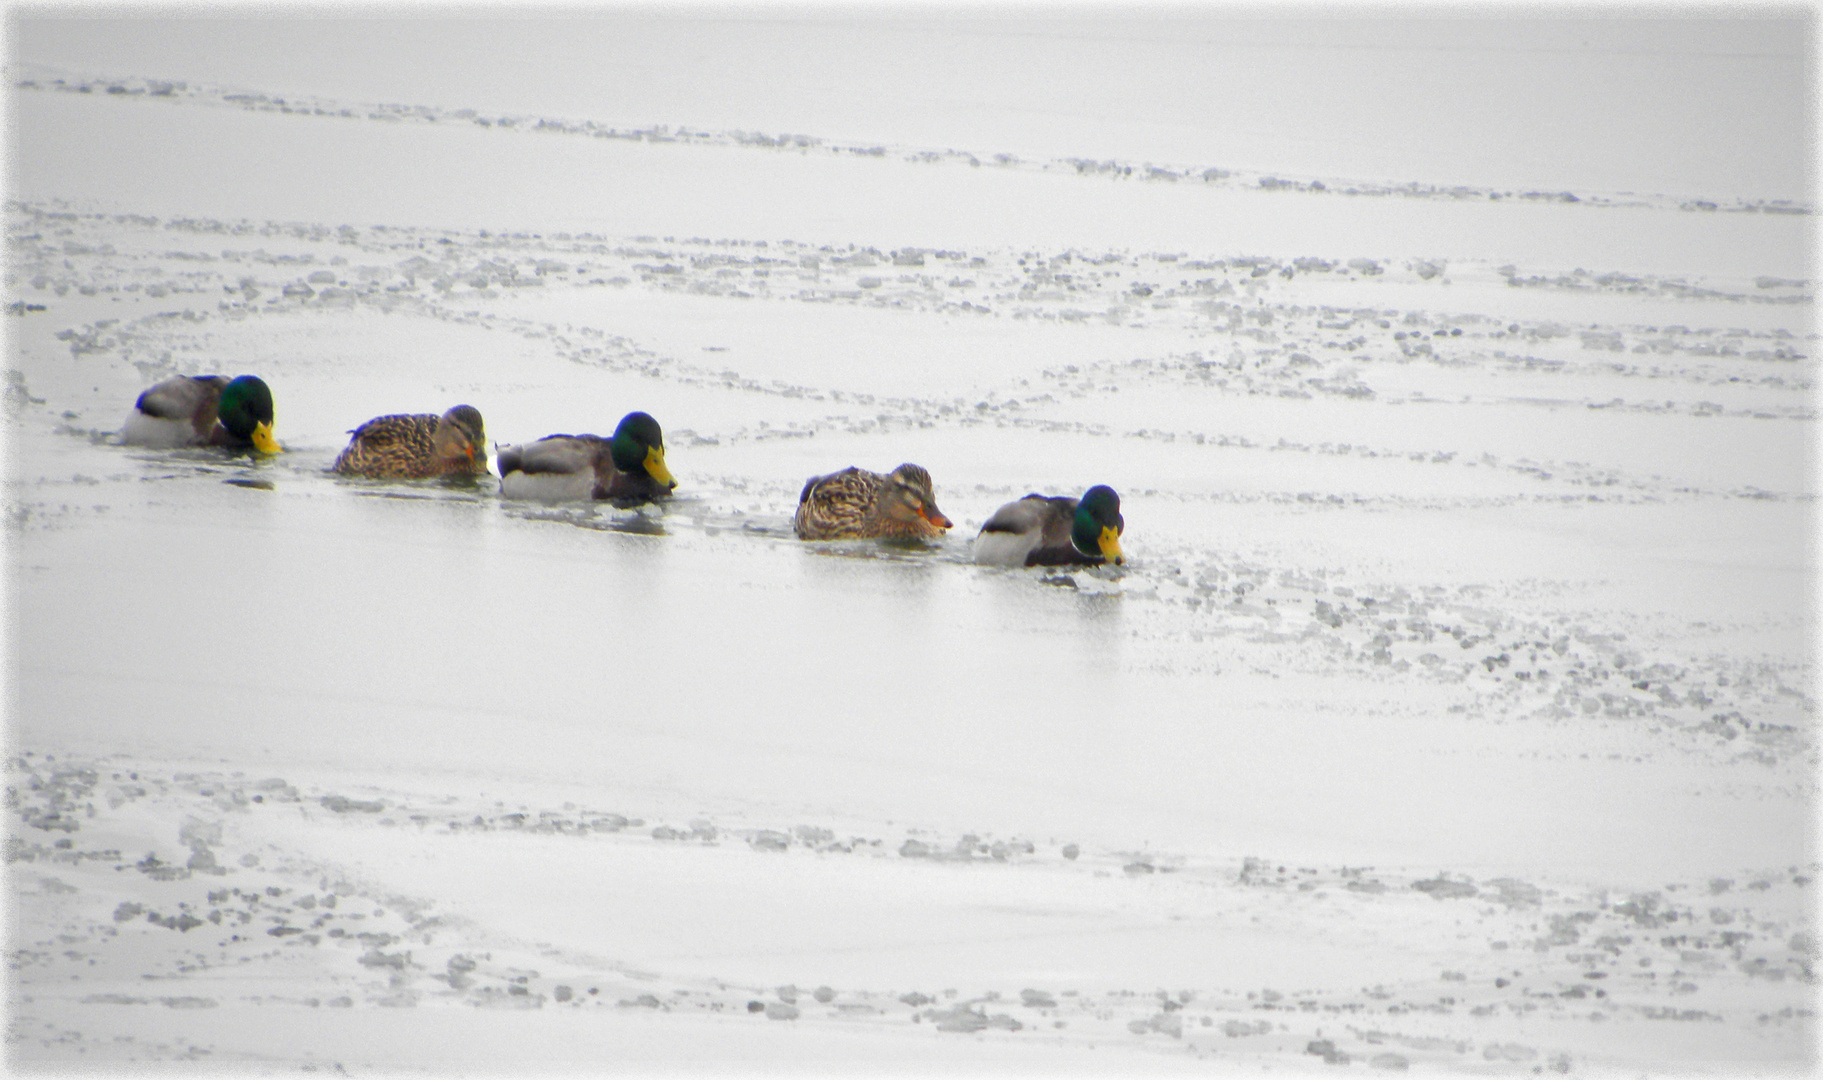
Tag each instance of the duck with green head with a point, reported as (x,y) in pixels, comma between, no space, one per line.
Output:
(626,469)
(855,504)
(204,410)
(1043,530)
(417,445)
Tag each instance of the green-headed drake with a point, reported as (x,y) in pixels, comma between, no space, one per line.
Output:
(1054,531)
(417,445)
(204,410)
(855,504)
(628,468)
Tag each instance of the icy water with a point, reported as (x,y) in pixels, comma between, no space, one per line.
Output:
(1453,711)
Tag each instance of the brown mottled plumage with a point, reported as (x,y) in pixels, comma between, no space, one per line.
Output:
(413,446)
(855,504)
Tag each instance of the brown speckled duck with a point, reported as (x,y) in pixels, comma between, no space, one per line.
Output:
(855,504)
(417,445)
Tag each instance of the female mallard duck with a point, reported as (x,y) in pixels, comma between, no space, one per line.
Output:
(204,410)
(1054,531)
(628,468)
(855,504)
(413,446)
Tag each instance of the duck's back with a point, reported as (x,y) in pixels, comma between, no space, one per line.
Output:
(401,445)
(555,468)
(834,507)
(1033,531)
(177,412)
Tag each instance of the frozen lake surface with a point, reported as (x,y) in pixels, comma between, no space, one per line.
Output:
(1455,709)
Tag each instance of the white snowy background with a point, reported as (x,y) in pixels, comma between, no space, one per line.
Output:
(1455,710)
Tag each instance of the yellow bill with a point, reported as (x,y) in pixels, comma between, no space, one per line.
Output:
(1110,544)
(263,440)
(655,467)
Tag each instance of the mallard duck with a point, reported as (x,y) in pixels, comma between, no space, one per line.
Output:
(411,446)
(627,468)
(1043,530)
(855,504)
(204,410)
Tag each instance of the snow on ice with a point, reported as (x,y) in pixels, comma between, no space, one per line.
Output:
(1454,710)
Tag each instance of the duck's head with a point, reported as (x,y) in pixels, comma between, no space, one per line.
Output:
(910,498)
(638,448)
(459,438)
(245,410)
(1098,525)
